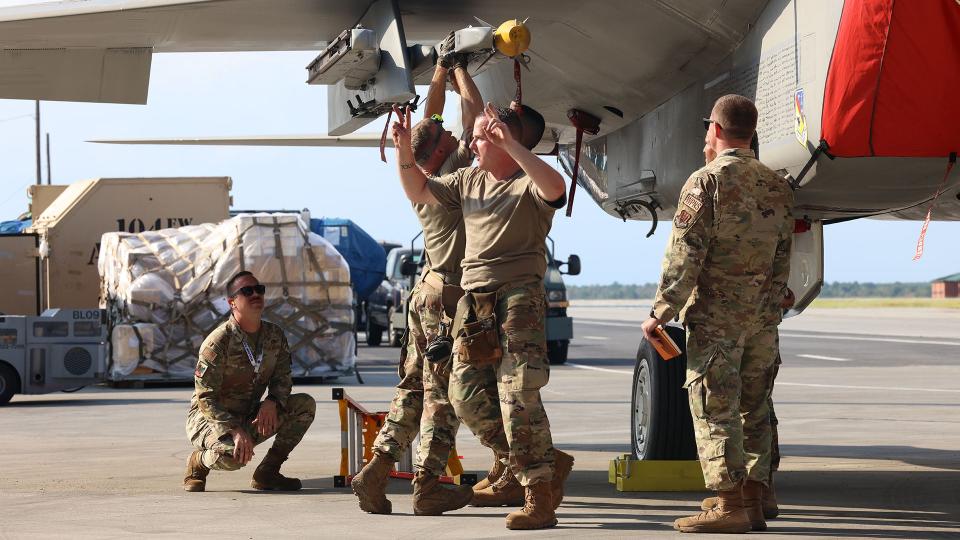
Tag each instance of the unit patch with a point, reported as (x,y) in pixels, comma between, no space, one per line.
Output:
(201,369)
(693,201)
(682,219)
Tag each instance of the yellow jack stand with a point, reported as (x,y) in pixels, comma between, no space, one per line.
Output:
(631,474)
(358,430)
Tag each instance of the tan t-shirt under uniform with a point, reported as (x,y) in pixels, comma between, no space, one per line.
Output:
(506,224)
(444,238)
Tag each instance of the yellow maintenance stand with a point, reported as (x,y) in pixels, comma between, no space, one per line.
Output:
(358,431)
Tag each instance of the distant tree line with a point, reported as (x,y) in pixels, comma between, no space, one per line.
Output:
(837,289)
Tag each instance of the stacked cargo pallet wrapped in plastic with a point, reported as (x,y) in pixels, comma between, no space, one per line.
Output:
(164,291)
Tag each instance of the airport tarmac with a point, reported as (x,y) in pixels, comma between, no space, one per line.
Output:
(868,402)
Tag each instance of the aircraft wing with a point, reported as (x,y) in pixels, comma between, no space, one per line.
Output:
(178,25)
(356,140)
(616,59)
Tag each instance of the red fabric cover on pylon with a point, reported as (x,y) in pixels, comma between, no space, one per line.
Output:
(893,87)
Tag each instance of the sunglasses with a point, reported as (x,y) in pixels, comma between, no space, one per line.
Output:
(707,122)
(249,290)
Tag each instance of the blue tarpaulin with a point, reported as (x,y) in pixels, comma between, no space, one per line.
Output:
(16,227)
(366,257)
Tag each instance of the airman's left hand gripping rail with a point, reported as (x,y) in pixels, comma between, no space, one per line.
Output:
(358,430)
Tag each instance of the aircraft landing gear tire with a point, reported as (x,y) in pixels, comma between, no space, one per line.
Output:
(9,383)
(557,351)
(661,427)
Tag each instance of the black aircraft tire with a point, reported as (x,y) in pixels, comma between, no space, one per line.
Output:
(661,427)
(9,383)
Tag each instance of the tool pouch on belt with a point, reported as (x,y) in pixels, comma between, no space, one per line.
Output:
(439,349)
(478,339)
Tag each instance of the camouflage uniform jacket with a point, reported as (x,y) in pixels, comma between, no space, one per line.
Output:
(227,386)
(727,259)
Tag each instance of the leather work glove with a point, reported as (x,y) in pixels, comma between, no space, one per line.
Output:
(461,60)
(445,54)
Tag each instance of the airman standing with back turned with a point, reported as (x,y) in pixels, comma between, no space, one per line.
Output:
(732,222)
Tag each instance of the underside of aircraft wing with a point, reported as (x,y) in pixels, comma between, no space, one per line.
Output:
(616,59)
(178,25)
(357,140)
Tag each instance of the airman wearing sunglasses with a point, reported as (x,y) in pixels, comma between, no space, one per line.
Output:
(422,391)
(239,361)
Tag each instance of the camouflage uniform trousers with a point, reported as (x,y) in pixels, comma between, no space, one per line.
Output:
(420,403)
(217,453)
(501,402)
(729,380)
(774,432)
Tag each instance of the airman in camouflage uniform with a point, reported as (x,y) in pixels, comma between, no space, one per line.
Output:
(421,402)
(234,370)
(731,229)
(500,361)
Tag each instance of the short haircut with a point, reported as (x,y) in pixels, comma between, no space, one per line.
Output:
(533,126)
(424,139)
(509,117)
(237,276)
(736,115)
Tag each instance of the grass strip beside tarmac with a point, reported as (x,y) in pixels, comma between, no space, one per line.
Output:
(942,303)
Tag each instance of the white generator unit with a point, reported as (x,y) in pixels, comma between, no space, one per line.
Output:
(59,350)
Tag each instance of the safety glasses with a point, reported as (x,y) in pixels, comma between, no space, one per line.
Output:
(707,122)
(249,290)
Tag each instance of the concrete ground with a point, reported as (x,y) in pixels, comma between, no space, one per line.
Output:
(868,403)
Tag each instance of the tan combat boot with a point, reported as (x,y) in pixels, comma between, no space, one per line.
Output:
(538,512)
(769,501)
(506,491)
(196,478)
(495,472)
(431,498)
(267,476)
(752,494)
(562,465)
(370,485)
(728,516)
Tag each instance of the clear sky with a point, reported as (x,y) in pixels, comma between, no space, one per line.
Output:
(229,94)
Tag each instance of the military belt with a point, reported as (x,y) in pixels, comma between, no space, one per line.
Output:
(437,279)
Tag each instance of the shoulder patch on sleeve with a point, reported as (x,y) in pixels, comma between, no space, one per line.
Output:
(201,369)
(208,353)
(682,219)
(693,200)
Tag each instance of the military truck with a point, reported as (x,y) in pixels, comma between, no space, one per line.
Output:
(404,264)
(59,350)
